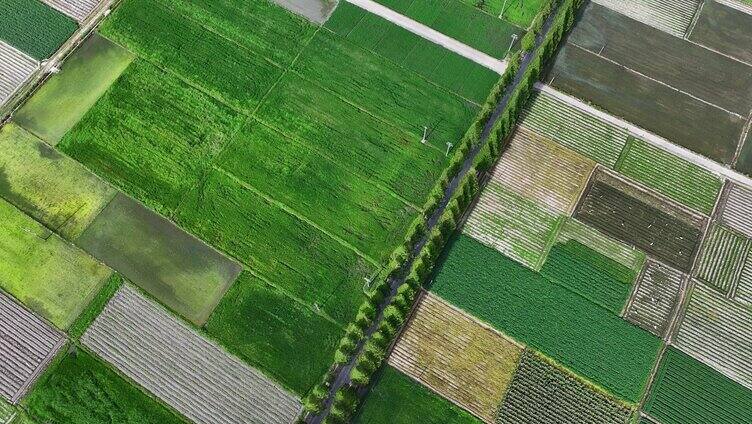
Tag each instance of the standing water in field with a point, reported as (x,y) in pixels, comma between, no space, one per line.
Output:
(316,11)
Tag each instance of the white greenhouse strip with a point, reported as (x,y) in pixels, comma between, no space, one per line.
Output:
(80,10)
(175,363)
(15,69)
(671,16)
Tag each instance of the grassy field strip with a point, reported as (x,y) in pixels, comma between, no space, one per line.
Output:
(526,306)
(66,96)
(15,68)
(76,9)
(682,152)
(676,178)
(655,298)
(688,392)
(722,340)
(200,380)
(574,128)
(78,388)
(543,171)
(52,188)
(545,392)
(33,27)
(723,257)
(47,274)
(464,361)
(671,16)
(29,343)
(515,226)
(430,34)
(394,388)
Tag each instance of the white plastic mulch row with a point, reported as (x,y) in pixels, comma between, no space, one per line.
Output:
(15,69)
(80,10)
(175,363)
(671,16)
(27,343)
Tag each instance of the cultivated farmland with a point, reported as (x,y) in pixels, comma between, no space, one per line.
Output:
(15,68)
(672,16)
(33,27)
(200,380)
(724,28)
(723,256)
(76,9)
(688,392)
(656,298)
(457,357)
(736,211)
(544,392)
(528,307)
(28,344)
(622,253)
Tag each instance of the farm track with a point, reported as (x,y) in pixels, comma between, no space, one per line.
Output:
(342,373)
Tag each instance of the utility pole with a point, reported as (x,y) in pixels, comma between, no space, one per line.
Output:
(514,38)
(425,133)
(449,147)
(502,8)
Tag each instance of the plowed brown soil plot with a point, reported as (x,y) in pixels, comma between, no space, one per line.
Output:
(688,67)
(639,218)
(724,29)
(464,361)
(656,107)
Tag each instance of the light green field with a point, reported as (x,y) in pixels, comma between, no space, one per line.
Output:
(54,189)
(64,99)
(48,275)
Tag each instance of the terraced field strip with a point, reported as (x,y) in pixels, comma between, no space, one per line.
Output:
(655,298)
(28,344)
(545,392)
(574,128)
(430,34)
(620,252)
(179,366)
(15,68)
(724,254)
(670,175)
(457,357)
(543,171)
(736,211)
(512,224)
(640,218)
(80,10)
(672,16)
(688,392)
(718,332)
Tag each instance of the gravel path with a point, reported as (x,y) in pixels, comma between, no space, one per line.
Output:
(432,35)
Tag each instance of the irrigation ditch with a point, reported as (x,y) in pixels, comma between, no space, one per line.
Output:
(371,337)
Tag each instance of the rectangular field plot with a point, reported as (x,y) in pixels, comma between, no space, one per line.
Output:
(434,62)
(736,210)
(278,246)
(523,304)
(515,226)
(52,188)
(200,380)
(28,344)
(66,96)
(675,178)
(725,29)
(641,219)
(389,156)
(718,332)
(275,333)
(457,357)
(705,74)
(76,9)
(15,68)
(688,392)
(675,116)
(386,90)
(152,135)
(672,16)
(33,27)
(723,257)
(80,389)
(567,125)
(743,291)
(656,298)
(47,274)
(545,392)
(540,170)
(319,189)
(394,388)
(173,266)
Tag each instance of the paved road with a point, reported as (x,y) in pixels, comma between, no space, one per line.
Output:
(432,35)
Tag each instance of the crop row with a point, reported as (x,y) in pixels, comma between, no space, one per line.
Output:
(723,257)
(33,27)
(655,298)
(16,68)
(673,16)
